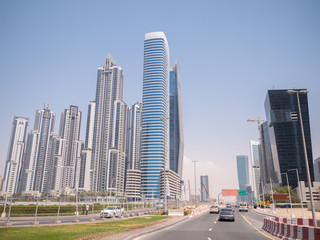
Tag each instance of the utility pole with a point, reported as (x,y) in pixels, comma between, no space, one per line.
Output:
(195,185)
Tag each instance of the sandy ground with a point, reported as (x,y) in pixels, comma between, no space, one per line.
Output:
(286,212)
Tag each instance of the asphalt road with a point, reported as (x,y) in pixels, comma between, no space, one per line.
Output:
(247,226)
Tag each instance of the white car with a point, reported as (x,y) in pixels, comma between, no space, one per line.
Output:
(111,211)
(214,209)
(243,207)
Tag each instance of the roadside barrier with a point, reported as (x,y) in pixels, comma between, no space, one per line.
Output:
(281,229)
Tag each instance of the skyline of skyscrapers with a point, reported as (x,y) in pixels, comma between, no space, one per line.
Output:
(144,140)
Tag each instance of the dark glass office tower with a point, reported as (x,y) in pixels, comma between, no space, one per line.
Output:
(285,135)
(176,130)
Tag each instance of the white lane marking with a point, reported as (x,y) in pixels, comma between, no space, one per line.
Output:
(209,238)
(215,222)
(210,229)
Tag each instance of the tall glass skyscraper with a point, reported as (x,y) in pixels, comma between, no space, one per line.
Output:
(155,113)
(284,130)
(176,130)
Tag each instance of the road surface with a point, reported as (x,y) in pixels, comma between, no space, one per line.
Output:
(247,226)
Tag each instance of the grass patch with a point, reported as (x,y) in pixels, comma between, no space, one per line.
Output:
(83,231)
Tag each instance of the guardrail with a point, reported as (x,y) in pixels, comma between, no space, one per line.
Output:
(288,229)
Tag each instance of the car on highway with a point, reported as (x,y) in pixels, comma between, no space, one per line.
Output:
(226,214)
(214,209)
(111,211)
(243,207)
(228,205)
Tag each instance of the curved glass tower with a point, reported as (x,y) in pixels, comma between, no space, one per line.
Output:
(155,113)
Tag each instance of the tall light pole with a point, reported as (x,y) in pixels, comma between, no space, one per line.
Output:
(299,187)
(195,185)
(292,215)
(297,92)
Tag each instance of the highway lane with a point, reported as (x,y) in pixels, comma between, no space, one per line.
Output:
(247,226)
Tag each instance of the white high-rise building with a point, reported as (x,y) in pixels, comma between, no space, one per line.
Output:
(255,166)
(109,90)
(44,124)
(30,161)
(155,113)
(70,133)
(134,136)
(117,155)
(86,170)
(15,155)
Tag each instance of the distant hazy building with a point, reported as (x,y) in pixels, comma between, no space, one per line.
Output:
(70,133)
(285,137)
(243,171)
(155,113)
(86,168)
(204,181)
(176,127)
(1,181)
(255,165)
(15,155)
(109,90)
(317,169)
(44,124)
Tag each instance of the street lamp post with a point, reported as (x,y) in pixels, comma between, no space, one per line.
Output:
(273,205)
(292,215)
(195,188)
(299,187)
(297,92)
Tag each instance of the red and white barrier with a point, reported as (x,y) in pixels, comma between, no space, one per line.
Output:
(286,231)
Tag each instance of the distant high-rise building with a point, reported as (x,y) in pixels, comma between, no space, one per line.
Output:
(15,155)
(86,170)
(44,124)
(109,90)
(134,136)
(204,181)
(243,171)
(284,130)
(176,128)
(317,169)
(255,164)
(70,133)
(155,113)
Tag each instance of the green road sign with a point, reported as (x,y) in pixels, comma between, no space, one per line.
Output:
(242,192)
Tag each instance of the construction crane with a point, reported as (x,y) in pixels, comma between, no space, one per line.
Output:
(258,121)
(207,192)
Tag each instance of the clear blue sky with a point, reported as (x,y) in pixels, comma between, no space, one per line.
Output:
(230,53)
